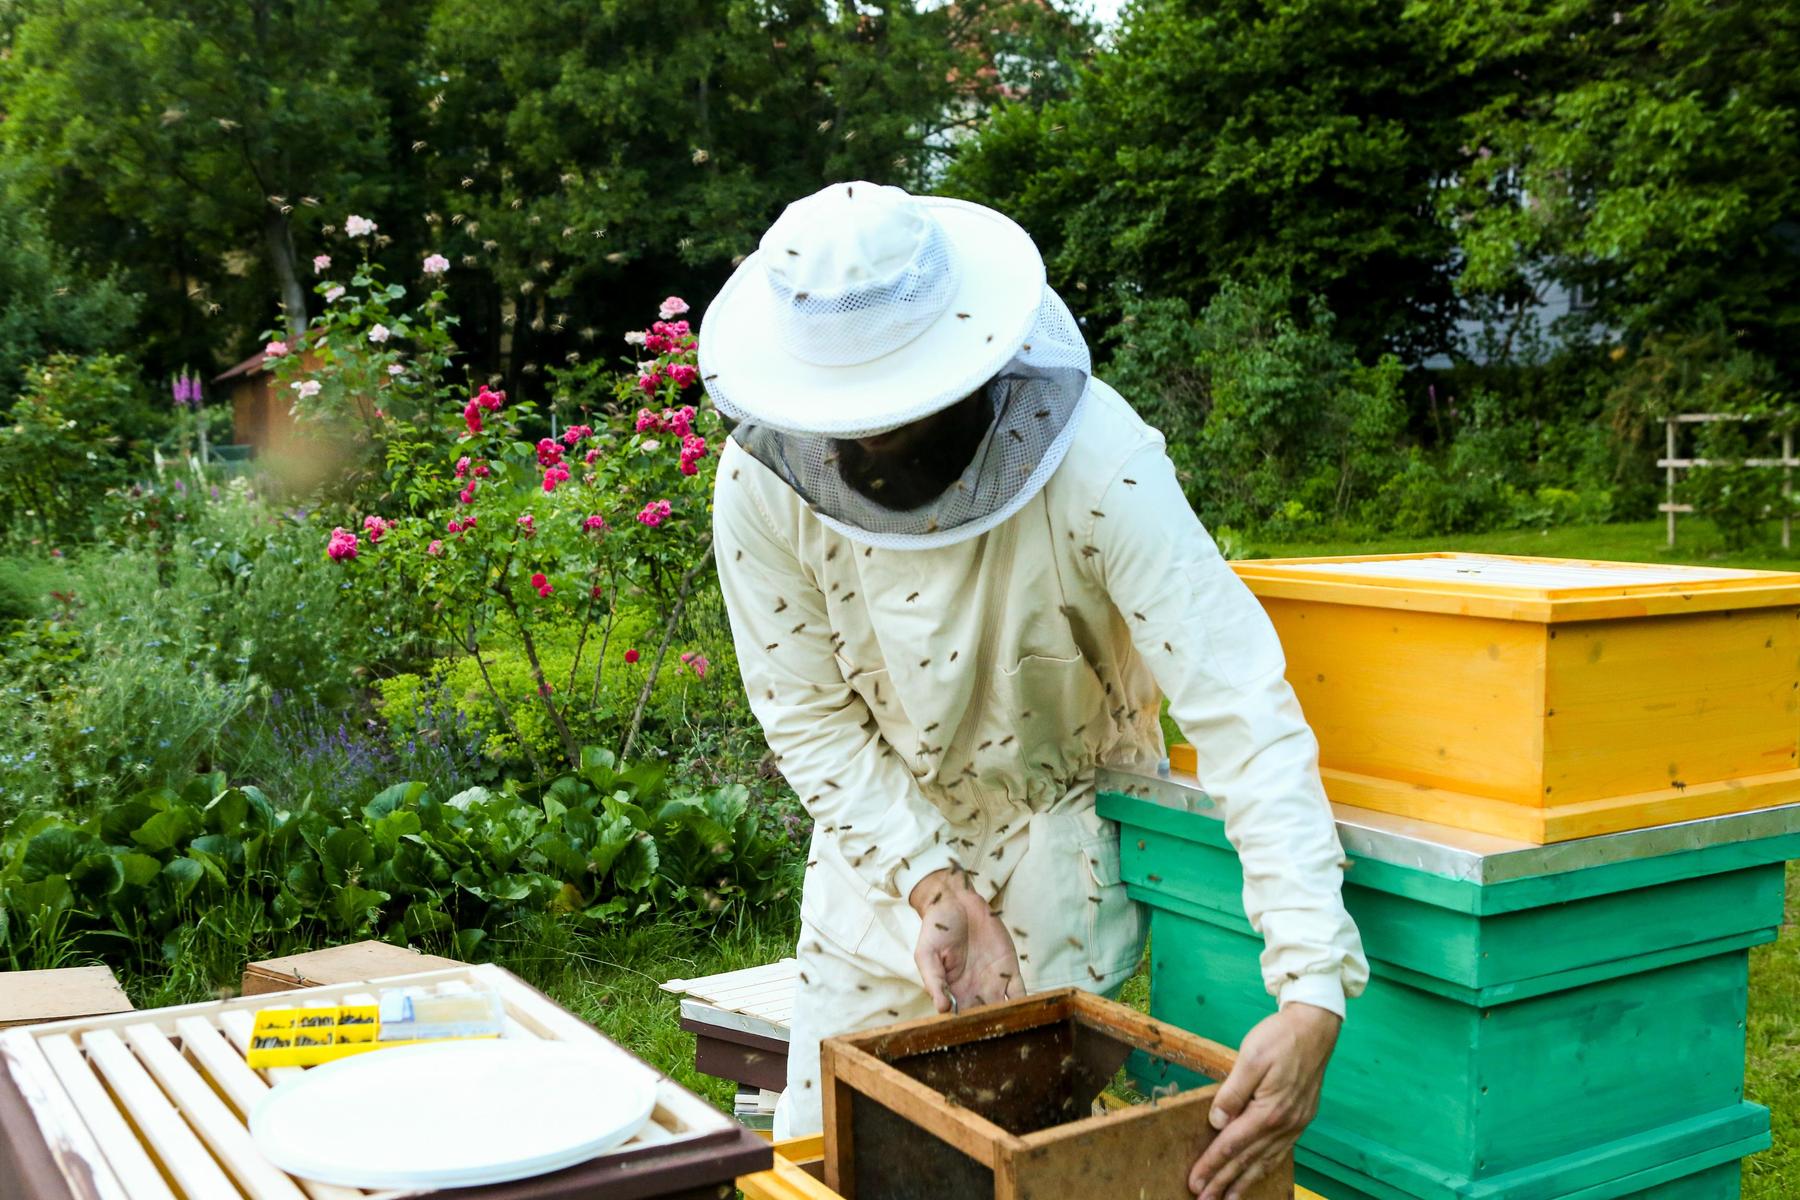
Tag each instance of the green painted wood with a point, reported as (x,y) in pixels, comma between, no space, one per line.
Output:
(1473,898)
(1588,1043)
(1179,862)
(1708,1182)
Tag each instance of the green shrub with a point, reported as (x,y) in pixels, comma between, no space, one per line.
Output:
(80,426)
(678,699)
(1271,420)
(598,846)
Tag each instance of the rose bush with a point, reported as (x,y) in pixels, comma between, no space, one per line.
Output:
(507,529)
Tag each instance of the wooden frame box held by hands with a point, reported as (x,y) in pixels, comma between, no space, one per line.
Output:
(994,1104)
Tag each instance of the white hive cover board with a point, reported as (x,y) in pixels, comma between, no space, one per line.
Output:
(1535,576)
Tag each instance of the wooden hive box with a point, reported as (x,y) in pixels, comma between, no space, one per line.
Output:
(31,997)
(349,963)
(153,1105)
(1542,699)
(995,1103)
(1519,994)
(799,1174)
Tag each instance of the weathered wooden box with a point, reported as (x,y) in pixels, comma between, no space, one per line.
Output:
(995,1104)
(1541,1021)
(1542,699)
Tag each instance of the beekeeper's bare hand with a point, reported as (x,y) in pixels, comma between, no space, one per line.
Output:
(1266,1101)
(964,950)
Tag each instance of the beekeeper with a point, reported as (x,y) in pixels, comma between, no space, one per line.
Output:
(961,574)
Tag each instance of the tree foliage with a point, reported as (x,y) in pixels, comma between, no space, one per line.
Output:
(1646,153)
(1300,140)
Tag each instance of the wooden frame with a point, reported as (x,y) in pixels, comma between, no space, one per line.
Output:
(884,1080)
(152,1106)
(1671,462)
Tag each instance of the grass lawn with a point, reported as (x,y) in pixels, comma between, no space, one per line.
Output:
(613,982)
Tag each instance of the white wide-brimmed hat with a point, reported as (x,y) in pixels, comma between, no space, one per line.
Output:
(866,308)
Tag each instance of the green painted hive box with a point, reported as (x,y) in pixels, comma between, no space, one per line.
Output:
(1542,1022)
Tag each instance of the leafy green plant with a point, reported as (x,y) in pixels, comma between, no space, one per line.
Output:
(600,845)
(80,426)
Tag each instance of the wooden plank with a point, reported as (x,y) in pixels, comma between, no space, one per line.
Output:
(837,1101)
(175,1146)
(1637,706)
(217,1125)
(32,997)
(60,1111)
(937,1032)
(243,1087)
(787,968)
(1144,1151)
(1212,1059)
(1421,698)
(1684,463)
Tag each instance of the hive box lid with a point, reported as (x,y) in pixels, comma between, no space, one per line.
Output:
(1546,590)
(28,997)
(350,963)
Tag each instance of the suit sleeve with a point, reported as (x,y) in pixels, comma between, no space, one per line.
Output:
(1215,655)
(855,786)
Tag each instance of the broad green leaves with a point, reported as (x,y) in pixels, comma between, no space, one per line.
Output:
(601,846)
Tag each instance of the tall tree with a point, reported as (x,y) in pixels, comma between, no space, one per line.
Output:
(1295,139)
(597,154)
(212,127)
(1648,154)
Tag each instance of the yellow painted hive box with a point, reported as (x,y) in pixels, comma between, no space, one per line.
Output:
(1542,699)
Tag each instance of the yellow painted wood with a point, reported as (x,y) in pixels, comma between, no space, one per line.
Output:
(1634,706)
(1703,590)
(1542,699)
(787,1180)
(1466,692)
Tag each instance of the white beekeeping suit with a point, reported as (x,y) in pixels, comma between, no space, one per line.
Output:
(939,682)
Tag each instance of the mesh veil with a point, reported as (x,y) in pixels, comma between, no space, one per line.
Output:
(1036,398)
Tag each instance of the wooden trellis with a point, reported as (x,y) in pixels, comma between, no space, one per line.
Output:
(1672,463)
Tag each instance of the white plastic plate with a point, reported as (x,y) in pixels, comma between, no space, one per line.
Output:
(453,1114)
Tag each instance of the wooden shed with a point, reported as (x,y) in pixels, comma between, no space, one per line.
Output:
(261,411)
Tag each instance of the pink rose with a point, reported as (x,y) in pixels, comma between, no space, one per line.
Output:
(631,656)
(454,526)
(462,466)
(375,527)
(489,400)
(436,548)
(472,414)
(575,433)
(275,349)
(542,584)
(673,307)
(650,382)
(396,369)
(342,544)
(379,333)
(333,292)
(680,420)
(591,456)
(648,422)
(655,513)
(555,475)
(526,523)
(481,471)
(357,226)
(594,522)
(548,452)
(684,375)
(321,263)
(467,495)
(436,264)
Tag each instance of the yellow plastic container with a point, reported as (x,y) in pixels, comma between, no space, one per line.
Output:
(1542,699)
(307,1035)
